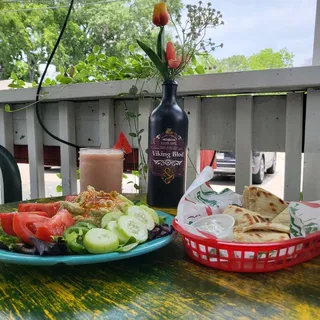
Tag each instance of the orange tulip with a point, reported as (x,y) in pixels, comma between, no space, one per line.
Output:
(172,60)
(160,14)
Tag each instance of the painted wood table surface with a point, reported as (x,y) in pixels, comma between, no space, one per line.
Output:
(164,284)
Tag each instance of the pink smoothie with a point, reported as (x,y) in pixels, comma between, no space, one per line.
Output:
(101,169)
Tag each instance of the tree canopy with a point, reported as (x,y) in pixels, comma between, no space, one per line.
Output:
(264,59)
(29,30)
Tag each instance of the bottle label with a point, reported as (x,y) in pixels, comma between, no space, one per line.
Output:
(167,156)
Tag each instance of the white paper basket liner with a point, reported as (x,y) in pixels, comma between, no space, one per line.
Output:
(200,201)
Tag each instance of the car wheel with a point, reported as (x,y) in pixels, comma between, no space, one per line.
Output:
(272,169)
(259,176)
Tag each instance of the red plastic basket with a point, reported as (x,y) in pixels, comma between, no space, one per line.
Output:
(249,257)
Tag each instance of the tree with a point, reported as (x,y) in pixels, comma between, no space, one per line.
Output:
(28,37)
(264,59)
(117,26)
(233,63)
(269,59)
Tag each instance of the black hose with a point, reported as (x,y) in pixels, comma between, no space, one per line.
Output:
(42,78)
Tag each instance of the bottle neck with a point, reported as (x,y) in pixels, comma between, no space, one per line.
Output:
(169,92)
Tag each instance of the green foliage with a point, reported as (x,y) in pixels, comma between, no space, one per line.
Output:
(26,37)
(59,187)
(268,59)
(136,133)
(97,67)
(161,45)
(264,59)
(20,69)
(231,64)
(200,69)
(16,82)
(161,66)
(135,172)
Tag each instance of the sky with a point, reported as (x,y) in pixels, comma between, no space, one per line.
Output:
(252,25)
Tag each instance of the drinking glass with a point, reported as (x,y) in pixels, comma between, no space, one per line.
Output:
(101,169)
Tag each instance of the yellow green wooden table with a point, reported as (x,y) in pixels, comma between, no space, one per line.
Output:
(164,284)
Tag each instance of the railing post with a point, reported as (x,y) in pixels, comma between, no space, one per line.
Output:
(192,106)
(145,108)
(294,127)
(316,41)
(6,129)
(311,175)
(67,129)
(6,139)
(244,116)
(106,123)
(35,152)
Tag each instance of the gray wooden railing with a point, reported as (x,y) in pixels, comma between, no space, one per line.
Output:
(285,120)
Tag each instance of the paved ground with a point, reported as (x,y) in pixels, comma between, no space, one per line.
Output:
(51,182)
(273,183)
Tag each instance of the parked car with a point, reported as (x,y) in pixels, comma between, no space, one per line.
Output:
(262,162)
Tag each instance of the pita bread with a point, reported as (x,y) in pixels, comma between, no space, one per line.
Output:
(267,226)
(251,227)
(263,202)
(259,236)
(244,217)
(283,218)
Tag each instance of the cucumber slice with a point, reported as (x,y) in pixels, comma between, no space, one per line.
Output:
(123,198)
(142,215)
(99,240)
(111,216)
(132,227)
(113,227)
(152,213)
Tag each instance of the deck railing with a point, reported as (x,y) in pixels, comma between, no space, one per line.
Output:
(272,110)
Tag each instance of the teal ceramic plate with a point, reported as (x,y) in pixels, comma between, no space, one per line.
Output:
(19,258)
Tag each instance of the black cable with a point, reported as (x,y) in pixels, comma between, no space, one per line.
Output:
(42,78)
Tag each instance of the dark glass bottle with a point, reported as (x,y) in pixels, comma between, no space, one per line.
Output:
(168,138)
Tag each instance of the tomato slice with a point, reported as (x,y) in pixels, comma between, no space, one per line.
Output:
(22,220)
(50,208)
(6,223)
(39,213)
(33,226)
(55,226)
